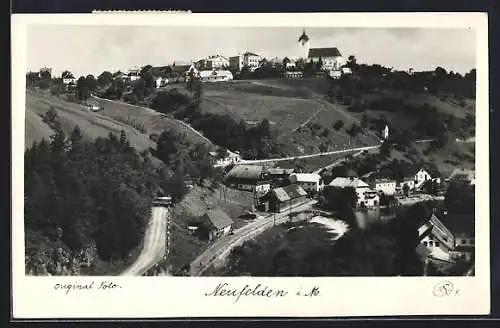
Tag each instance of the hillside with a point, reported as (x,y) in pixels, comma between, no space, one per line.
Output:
(91,124)
(186,247)
(35,128)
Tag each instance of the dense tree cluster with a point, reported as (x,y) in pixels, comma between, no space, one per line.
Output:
(342,201)
(87,194)
(186,161)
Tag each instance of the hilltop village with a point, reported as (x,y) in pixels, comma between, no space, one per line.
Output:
(244,165)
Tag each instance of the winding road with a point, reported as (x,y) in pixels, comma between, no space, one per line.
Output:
(154,243)
(222,247)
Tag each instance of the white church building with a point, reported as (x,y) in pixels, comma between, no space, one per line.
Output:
(331,58)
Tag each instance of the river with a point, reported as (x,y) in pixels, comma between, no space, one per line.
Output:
(367,216)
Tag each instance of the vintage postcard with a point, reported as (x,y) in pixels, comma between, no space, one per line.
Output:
(256,165)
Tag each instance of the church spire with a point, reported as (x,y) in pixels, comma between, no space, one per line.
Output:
(303,38)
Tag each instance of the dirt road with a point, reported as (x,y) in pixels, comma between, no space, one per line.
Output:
(154,243)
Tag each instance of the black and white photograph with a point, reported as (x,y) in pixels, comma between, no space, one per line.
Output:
(250,151)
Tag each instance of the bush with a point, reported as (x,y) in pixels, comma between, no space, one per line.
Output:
(338,125)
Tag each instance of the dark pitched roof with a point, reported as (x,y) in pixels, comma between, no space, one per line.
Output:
(288,192)
(180,68)
(218,218)
(459,224)
(250,54)
(279,171)
(324,52)
(251,172)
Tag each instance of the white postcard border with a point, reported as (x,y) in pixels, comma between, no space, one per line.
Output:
(156,297)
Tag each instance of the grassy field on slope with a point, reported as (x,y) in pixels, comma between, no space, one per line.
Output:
(91,124)
(35,128)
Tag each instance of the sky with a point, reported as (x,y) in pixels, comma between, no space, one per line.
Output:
(93,49)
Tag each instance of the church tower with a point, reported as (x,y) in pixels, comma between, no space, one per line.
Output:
(304,44)
(385,132)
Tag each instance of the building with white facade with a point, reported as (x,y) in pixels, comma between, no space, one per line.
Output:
(133,74)
(213,62)
(215,76)
(437,238)
(449,238)
(331,58)
(310,182)
(367,197)
(423,175)
(247,59)
(231,158)
(384,186)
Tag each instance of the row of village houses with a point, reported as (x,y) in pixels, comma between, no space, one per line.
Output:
(258,179)
(443,238)
(217,68)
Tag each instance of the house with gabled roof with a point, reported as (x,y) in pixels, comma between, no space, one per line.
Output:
(283,198)
(215,223)
(252,178)
(367,197)
(310,182)
(448,238)
(331,58)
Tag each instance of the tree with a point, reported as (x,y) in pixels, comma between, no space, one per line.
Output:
(338,125)
(146,74)
(351,63)
(91,82)
(105,79)
(82,88)
(166,147)
(364,122)
(440,72)
(194,85)
(222,152)
(319,65)
(406,189)
(385,149)
(67,75)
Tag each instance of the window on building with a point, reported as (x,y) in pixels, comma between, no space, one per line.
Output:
(425,243)
(431,243)
(436,244)
(464,241)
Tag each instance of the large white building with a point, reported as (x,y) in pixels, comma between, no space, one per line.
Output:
(310,182)
(248,59)
(331,58)
(366,196)
(384,186)
(213,62)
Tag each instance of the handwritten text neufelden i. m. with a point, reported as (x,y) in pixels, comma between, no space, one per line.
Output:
(223,289)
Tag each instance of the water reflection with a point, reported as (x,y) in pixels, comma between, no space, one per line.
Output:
(367,216)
